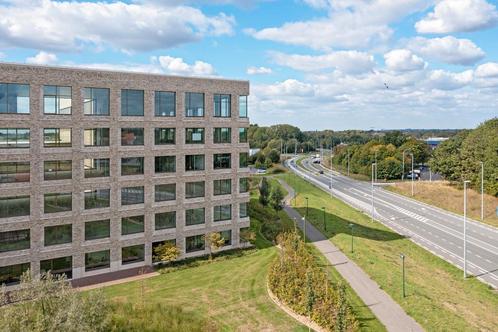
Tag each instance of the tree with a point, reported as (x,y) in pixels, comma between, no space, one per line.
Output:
(246,235)
(215,242)
(264,191)
(274,156)
(420,150)
(166,252)
(276,198)
(396,138)
(389,168)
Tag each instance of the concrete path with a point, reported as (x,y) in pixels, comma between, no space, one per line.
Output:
(382,305)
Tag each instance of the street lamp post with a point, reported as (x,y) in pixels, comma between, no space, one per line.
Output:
(352,248)
(403,272)
(465,228)
(482,191)
(403,172)
(376,166)
(348,162)
(306,198)
(373,208)
(304,229)
(324,223)
(413,174)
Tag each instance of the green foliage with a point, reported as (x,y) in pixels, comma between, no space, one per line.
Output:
(215,242)
(264,191)
(247,235)
(167,252)
(389,168)
(276,198)
(396,138)
(420,150)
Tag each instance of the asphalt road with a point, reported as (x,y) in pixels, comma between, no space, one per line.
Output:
(434,229)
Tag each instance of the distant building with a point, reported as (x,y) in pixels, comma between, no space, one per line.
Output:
(433,142)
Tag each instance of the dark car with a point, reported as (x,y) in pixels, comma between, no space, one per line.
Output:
(321,172)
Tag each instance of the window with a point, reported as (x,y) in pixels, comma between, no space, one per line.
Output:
(165,192)
(14,138)
(243,185)
(132,225)
(194,104)
(11,172)
(58,266)
(97,229)
(222,187)
(222,135)
(227,236)
(243,211)
(132,102)
(243,160)
(194,243)
(57,137)
(155,258)
(57,169)
(194,162)
(96,168)
(132,195)
(194,216)
(132,136)
(96,101)
(59,202)
(98,198)
(132,166)
(165,220)
(97,260)
(96,137)
(59,234)
(222,106)
(14,240)
(11,274)
(221,160)
(132,254)
(164,103)
(243,106)
(57,99)
(222,212)
(164,136)
(14,98)
(242,135)
(194,135)
(165,164)
(14,206)
(194,189)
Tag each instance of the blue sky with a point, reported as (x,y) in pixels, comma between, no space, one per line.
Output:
(312,63)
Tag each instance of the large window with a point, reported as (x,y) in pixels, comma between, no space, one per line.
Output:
(243,160)
(11,172)
(222,135)
(165,220)
(57,137)
(132,225)
(132,136)
(194,216)
(194,243)
(194,189)
(58,266)
(221,160)
(243,106)
(96,101)
(243,185)
(243,210)
(222,212)
(14,98)
(132,102)
(14,138)
(164,136)
(227,236)
(194,135)
(57,99)
(165,164)
(59,234)
(222,106)
(58,202)
(14,206)
(96,137)
(11,274)
(164,103)
(222,187)
(194,162)
(132,166)
(98,198)
(165,192)
(194,104)
(57,169)
(96,168)
(97,229)
(97,260)
(14,240)
(133,254)
(242,135)
(132,195)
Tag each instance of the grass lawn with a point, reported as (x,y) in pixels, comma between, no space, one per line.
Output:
(437,296)
(450,198)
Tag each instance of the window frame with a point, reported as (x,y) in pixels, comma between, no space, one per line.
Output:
(58,239)
(9,96)
(126,98)
(129,189)
(194,162)
(188,101)
(158,137)
(219,185)
(58,142)
(158,194)
(8,138)
(157,101)
(189,132)
(57,99)
(218,105)
(94,100)
(195,189)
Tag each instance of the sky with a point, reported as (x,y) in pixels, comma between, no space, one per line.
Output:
(315,64)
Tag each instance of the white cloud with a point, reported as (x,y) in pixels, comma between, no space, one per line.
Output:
(457,16)
(345,61)
(447,49)
(258,71)
(443,80)
(489,69)
(42,58)
(68,26)
(177,66)
(403,60)
(290,87)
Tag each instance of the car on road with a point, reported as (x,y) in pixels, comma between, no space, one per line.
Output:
(320,172)
(416,175)
(260,171)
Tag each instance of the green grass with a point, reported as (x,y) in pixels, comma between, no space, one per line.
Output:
(437,296)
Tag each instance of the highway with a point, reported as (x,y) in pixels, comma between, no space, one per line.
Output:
(434,229)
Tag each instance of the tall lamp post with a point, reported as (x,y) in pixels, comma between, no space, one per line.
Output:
(482,191)
(374,165)
(348,162)
(351,226)
(465,228)
(403,172)
(304,229)
(324,222)
(413,174)
(403,272)
(306,198)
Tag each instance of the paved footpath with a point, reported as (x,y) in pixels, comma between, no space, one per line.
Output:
(382,305)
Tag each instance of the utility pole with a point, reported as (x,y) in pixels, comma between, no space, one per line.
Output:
(465,228)
(403,172)
(373,209)
(348,162)
(413,174)
(352,248)
(482,191)
(403,272)
(324,222)
(375,165)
